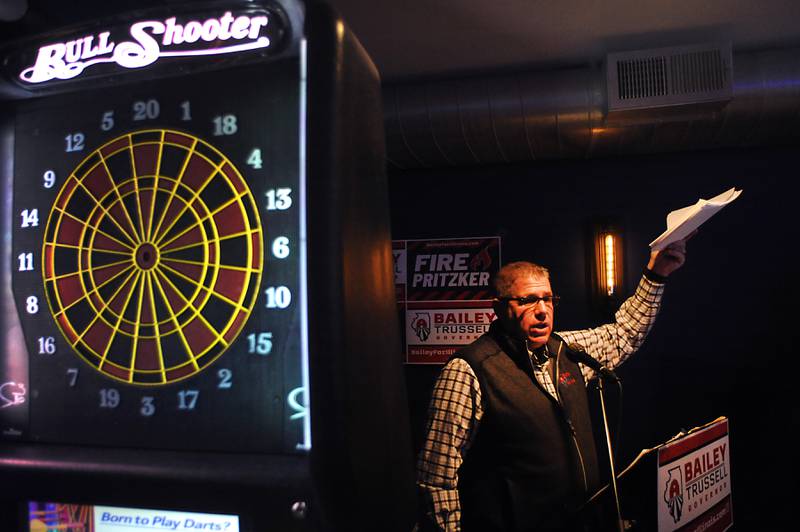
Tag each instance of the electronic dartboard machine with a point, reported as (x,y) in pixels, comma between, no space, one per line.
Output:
(198,325)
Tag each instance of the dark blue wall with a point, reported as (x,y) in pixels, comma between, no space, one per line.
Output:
(725,341)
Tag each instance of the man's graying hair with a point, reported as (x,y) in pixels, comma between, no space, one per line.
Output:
(502,282)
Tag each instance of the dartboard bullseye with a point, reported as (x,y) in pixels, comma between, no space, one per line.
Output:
(152,256)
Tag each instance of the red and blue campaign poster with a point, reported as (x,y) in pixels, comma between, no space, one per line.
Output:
(443,292)
(694,482)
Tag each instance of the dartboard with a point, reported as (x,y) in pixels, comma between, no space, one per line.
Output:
(152,256)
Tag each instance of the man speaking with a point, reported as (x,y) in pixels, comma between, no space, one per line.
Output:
(509,443)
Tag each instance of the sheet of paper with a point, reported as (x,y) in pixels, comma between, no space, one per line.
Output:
(681,222)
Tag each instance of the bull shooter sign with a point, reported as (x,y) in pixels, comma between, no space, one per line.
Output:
(443,293)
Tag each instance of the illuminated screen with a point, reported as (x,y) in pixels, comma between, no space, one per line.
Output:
(51,516)
(157,266)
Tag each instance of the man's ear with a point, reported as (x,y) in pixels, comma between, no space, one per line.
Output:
(498,307)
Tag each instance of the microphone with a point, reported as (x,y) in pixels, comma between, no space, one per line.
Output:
(577,354)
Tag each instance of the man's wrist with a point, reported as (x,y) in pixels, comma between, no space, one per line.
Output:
(654,277)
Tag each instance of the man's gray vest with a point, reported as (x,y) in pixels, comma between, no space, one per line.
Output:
(533,460)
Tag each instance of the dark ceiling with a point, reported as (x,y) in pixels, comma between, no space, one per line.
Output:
(446,37)
(440,38)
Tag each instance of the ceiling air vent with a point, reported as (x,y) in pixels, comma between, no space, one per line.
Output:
(669,77)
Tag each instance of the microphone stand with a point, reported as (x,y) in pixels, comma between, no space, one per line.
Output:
(620,525)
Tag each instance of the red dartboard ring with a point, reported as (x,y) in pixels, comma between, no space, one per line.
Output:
(152,256)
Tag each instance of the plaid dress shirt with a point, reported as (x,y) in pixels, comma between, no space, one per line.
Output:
(456,406)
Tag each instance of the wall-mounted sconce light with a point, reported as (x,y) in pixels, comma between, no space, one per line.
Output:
(609,262)
(607,268)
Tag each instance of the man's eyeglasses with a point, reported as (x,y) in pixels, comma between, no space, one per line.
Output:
(532,301)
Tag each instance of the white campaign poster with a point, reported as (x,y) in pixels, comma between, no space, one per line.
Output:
(436,329)
(694,482)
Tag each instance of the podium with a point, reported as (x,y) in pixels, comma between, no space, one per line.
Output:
(682,484)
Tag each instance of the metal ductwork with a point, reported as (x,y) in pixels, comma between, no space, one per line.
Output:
(565,114)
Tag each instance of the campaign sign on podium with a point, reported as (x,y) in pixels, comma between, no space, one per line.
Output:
(694,482)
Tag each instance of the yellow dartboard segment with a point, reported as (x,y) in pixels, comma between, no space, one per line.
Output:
(152,256)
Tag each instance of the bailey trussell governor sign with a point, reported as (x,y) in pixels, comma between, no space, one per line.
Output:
(694,482)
